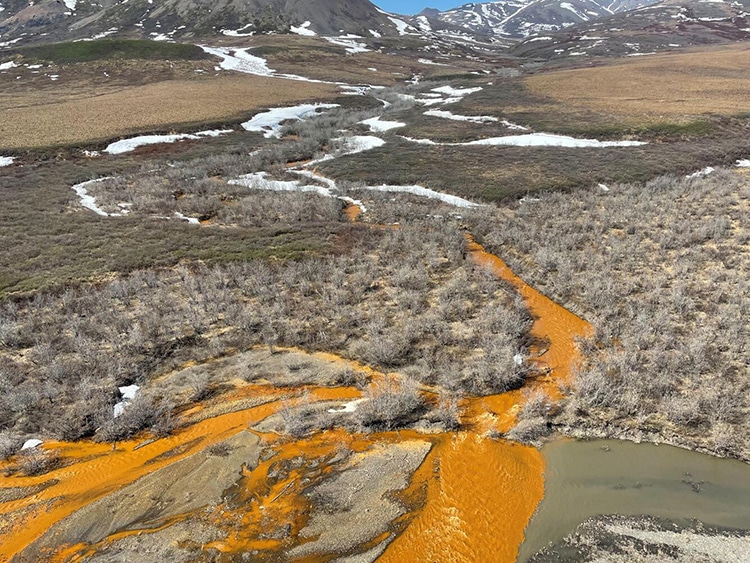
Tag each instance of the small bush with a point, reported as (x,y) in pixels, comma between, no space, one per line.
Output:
(390,404)
(36,461)
(9,444)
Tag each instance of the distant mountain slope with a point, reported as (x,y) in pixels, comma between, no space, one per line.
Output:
(522,18)
(668,25)
(72,19)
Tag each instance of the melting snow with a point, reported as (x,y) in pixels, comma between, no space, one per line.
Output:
(258,181)
(548,140)
(269,122)
(459,92)
(429,62)
(352,47)
(359,143)
(6,160)
(401,25)
(424,192)
(129,391)
(8,65)
(377,125)
(128,394)
(89,201)
(303,29)
(351,406)
(191,220)
(127,145)
(702,173)
(454,117)
(31,443)
(239,60)
(535,140)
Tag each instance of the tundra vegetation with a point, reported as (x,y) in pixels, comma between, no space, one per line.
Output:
(655,262)
(659,269)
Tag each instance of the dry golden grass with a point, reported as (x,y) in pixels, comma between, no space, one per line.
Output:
(713,81)
(74,114)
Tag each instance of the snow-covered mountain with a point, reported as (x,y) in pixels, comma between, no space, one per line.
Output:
(75,19)
(523,18)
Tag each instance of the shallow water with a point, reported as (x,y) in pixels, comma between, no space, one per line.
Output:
(585,479)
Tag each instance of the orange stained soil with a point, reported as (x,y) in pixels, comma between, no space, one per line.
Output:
(270,497)
(479,501)
(480,493)
(352,212)
(97,470)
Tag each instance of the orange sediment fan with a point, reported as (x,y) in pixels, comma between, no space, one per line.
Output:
(101,472)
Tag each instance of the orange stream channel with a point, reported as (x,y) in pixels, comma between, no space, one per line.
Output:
(486,491)
(480,494)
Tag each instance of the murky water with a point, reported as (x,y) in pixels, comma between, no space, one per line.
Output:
(585,479)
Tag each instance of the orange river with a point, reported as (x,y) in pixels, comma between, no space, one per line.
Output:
(480,492)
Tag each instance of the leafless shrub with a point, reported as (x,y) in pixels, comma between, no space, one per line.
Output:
(390,403)
(530,430)
(37,461)
(9,444)
(447,412)
(146,412)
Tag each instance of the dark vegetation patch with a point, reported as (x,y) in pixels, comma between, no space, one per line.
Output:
(498,173)
(111,50)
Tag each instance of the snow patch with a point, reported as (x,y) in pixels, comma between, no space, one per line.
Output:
(457,92)
(429,62)
(239,60)
(70,4)
(424,192)
(377,125)
(352,47)
(6,160)
(128,145)
(269,122)
(303,29)
(549,140)
(744,163)
(191,220)
(8,65)
(89,201)
(31,443)
(454,117)
(259,181)
(401,25)
(360,143)
(702,173)
(351,406)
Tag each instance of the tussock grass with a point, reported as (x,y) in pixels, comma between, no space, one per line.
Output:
(87,116)
(656,87)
